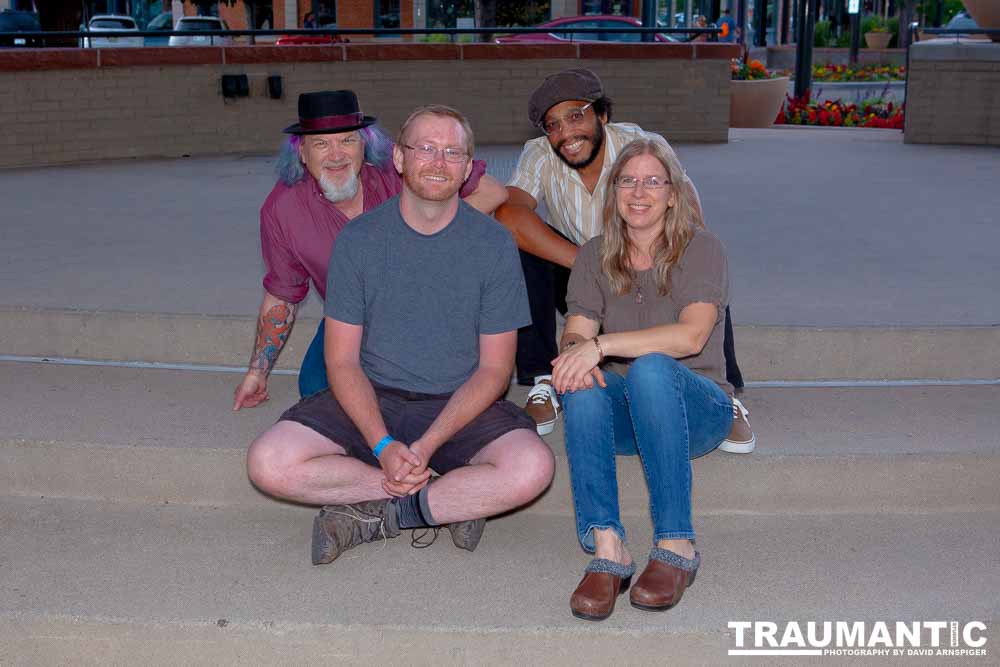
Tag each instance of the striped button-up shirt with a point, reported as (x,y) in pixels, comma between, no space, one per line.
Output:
(573,211)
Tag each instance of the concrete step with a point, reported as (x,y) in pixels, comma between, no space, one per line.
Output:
(153,436)
(97,583)
(765,353)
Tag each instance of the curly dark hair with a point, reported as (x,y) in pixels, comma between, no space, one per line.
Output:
(602,106)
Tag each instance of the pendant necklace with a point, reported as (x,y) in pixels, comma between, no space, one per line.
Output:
(638,293)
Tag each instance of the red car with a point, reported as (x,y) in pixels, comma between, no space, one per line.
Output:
(609,22)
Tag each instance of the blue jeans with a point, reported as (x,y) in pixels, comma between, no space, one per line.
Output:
(312,376)
(661,411)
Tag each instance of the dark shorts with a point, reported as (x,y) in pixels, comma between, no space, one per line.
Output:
(407,415)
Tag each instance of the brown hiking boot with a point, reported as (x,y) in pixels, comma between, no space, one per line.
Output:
(338,528)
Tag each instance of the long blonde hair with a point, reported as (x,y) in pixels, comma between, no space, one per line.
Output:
(679,222)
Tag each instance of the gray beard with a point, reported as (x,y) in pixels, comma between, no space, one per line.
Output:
(338,193)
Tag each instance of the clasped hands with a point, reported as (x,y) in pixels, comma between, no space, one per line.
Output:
(405,468)
(577,368)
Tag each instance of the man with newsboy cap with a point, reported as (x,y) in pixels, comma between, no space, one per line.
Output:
(335,165)
(567,168)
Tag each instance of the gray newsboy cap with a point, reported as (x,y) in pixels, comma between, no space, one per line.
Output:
(570,84)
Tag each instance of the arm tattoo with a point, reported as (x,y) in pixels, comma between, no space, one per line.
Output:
(272,333)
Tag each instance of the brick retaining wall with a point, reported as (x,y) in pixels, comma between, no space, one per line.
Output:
(70,105)
(953,93)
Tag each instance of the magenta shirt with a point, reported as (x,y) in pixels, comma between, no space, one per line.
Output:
(298,226)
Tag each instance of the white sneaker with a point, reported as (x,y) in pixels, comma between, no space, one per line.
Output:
(741,439)
(543,405)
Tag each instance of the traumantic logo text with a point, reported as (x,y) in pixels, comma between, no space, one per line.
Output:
(858,638)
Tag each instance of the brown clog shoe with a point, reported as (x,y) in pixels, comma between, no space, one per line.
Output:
(662,584)
(603,581)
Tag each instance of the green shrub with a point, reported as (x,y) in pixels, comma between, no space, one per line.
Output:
(893,26)
(872,23)
(844,41)
(823,35)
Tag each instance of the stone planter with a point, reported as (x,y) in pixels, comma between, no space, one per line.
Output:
(878,40)
(756,103)
(986,14)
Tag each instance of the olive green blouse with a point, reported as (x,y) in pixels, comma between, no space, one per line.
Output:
(701,276)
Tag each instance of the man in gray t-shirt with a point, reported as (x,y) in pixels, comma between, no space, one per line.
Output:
(424,299)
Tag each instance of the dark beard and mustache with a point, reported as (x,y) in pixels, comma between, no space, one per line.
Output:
(596,139)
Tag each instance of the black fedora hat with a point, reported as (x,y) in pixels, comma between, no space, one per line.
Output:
(329,112)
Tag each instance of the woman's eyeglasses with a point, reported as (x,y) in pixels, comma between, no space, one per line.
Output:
(649,182)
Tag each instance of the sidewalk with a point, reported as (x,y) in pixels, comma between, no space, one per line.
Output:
(823,227)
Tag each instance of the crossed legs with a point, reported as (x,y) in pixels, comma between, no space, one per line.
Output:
(293,462)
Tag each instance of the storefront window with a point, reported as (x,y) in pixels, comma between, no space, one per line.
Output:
(325,12)
(612,7)
(445,14)
(386,13)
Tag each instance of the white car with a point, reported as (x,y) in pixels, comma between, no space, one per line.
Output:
(200,23)
(112,23)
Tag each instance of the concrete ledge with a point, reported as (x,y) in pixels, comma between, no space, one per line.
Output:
(943,50)
(109,584)
(765,353)
(951,93)
(766,484)
(98,642)
(869,353)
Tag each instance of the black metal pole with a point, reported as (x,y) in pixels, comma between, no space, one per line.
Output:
(649,19)
(741,20)
(855,37)
(938,15)
(786,10)
(806,21)
(760,23)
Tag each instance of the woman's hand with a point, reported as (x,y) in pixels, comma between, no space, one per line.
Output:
(576,368)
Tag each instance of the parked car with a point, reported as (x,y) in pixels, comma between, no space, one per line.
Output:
(200,23)
(112,23)
(609,22)
(165,23)
(962,21)
(15,21)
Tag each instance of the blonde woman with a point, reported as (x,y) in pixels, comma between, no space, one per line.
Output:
(642,372)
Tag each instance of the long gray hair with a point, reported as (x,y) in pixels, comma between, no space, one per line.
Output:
(290,170)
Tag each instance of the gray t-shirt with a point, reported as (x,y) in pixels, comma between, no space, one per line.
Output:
(425,299)
(701,276)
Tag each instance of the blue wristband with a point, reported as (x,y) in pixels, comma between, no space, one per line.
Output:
(382,444)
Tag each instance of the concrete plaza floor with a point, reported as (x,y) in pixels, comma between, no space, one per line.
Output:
(823,228)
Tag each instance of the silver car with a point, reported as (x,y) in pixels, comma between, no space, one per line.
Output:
(200,23)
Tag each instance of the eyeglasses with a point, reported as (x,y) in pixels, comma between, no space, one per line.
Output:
(426,153)
(649,182)
(573,118)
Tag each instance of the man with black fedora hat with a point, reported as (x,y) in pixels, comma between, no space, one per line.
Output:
(567,169)
(335,165)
